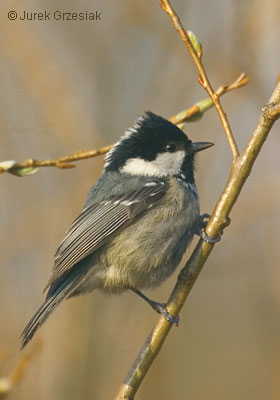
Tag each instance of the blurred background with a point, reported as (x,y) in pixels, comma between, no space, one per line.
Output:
(72,85)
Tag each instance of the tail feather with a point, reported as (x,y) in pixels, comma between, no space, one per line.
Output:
(38,319)
(67,287)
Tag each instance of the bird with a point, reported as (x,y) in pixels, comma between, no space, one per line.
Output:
(137,222)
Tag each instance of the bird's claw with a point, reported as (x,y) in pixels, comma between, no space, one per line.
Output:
(202,222)
(160,308)
(208,239)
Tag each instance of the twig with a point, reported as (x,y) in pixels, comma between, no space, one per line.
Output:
(8,383)
(195,112)
(188,275)
(202,76)
(31,166)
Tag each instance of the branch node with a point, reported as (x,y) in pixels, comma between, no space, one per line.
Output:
(216,96)
(271,111)
(64,165)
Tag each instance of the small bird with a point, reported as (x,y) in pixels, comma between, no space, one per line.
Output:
(137,222)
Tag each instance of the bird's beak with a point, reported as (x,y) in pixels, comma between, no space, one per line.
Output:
(199,146)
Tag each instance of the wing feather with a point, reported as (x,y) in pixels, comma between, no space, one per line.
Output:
(100,221)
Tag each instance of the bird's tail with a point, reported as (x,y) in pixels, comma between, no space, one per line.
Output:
(54,298)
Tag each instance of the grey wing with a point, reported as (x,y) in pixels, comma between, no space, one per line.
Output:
(100,221)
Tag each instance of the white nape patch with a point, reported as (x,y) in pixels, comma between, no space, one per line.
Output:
(131,131)
(164,164)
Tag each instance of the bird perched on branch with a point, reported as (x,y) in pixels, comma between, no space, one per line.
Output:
(137,222)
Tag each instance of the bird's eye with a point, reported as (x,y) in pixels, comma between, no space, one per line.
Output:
(171,147)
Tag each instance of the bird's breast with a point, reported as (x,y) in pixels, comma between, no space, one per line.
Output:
(147,252)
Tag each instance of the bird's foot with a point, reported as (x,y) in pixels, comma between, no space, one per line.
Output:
(200,230)
(158,307)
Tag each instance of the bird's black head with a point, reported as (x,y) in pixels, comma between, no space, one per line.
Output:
(154,147)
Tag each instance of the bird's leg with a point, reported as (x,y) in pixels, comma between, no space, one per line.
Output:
(201,224)
(158,307)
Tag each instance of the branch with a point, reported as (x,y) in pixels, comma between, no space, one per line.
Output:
(196,53)
(194,113)
(187,277)
(241,168)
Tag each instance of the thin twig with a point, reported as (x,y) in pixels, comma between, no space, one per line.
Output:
(9,382)
(62,162)
(191,270)
(202,76)
(196,111)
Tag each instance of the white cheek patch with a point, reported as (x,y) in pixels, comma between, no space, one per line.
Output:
(164,164)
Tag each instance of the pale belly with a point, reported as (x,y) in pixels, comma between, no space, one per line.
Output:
(147,252)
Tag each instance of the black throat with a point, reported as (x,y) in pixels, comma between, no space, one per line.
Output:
(187,171)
